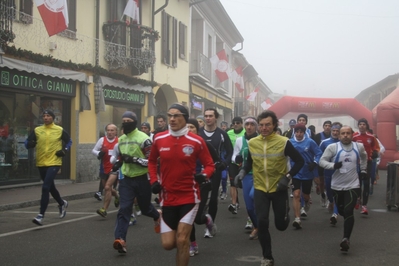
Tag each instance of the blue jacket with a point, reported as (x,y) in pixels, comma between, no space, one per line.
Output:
(310,153)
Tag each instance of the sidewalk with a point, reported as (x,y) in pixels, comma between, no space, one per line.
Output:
(15,197)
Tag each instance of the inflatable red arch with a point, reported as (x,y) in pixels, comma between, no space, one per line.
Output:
(327,106)
(382,120)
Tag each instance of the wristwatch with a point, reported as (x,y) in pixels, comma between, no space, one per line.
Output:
(288,176)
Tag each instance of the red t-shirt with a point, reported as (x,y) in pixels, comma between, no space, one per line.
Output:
(108,148)
(178,156)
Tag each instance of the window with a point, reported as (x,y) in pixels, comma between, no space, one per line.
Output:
(72,15)
(169,40)
(182,40)
(25,11)
(115,10)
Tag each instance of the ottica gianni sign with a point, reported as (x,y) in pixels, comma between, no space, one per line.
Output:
(36,83)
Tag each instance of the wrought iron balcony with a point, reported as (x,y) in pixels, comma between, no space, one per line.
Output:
(129,45)
(201,65)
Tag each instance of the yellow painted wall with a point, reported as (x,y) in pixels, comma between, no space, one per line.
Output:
(175,77)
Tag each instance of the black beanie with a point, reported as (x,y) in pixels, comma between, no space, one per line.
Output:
(304,116)
(146,124)
(237,119)
(194,122)
(130,114)
(49,112)
(181,108)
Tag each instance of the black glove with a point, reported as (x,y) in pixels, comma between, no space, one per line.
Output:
(60,153)
(312,166)
(156,187)
(31,144)
(100,155)
(283,183)
(337,165)
(363,176)
(238,178)
(117,165)
(200,178)
(374,154)
(220,166)
(128,159)
(239,159)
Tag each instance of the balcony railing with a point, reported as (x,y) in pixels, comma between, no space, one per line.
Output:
(129,45)
(200,64)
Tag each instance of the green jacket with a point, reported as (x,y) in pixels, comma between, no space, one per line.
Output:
(132,145)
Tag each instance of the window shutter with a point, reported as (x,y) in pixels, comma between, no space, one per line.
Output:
(164,37)
(174,43)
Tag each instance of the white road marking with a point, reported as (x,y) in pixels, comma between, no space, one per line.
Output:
(50,225)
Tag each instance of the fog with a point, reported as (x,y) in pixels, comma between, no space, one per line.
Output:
(318,48)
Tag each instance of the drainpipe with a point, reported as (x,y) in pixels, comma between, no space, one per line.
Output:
(97,32)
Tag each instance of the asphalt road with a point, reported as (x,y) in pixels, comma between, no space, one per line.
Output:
(84,238)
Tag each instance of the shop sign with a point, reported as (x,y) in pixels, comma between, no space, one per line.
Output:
(36,83)
(123,96)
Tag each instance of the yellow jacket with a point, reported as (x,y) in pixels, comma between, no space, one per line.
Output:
(268,161)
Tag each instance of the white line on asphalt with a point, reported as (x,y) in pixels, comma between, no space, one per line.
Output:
(35,212)
(51,225)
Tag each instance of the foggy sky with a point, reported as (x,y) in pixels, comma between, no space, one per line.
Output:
(319,48)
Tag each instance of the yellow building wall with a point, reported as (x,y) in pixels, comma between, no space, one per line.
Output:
(176,77)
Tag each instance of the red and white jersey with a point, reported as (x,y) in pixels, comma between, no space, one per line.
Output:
(178,156)
(369,142)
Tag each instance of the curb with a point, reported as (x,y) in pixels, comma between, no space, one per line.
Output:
(32,203)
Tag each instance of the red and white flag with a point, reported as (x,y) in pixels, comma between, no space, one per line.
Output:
(252,95)
(238,79)
(132,10)
(221,65)
(54,14)
(266,104)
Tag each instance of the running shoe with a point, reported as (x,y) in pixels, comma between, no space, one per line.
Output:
(207,234)
(249,225)
(223,196)
(38,220)
(357,204)
(364,210)
(63,208)
(303,212)
(133,220)
(344,244)
(157,223)
(233,208)
(291,195)
(102,212)
(254,234)
(323,202)
(116,202)
(210,225)
(266,262)
(193,249)
(120,245)
(98,196)
(137,209)
(297,223)
(333,219)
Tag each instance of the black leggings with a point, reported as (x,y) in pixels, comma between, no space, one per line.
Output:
(279,201)
(346,201)
(200,218)
(213,202)
(366,184)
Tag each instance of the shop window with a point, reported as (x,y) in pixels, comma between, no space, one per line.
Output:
(19,115)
